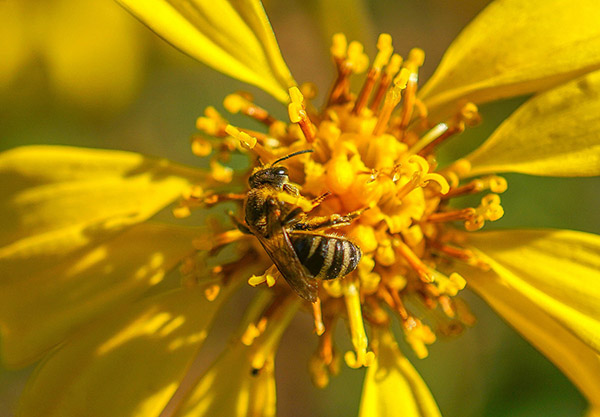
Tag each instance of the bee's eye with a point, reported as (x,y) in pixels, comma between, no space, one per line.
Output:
(281,171)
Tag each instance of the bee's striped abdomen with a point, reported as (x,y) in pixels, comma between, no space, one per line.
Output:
(325,257)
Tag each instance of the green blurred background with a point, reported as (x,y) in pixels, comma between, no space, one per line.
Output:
(88,74)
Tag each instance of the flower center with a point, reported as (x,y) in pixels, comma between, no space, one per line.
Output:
(373,154)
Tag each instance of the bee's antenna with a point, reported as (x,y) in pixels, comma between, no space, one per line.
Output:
(292,155)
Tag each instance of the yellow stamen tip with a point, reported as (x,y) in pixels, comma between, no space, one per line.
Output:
(416,57)
(384,45)
(234,103)
(245,139)
(212,292)
(295,95)
(201,147)
(357,58)
(295,112)
(402,78)
(339,46)
(394,65)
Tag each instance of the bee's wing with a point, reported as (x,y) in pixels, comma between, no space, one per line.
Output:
(280,249)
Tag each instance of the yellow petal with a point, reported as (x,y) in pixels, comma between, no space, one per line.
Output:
(555,133)
(127,364)
(241,382)
(572,356)
(18,51)
(557,270)
(49,189)
(393,387)
(235,38)
(517,47)
(40,307)
(98,72)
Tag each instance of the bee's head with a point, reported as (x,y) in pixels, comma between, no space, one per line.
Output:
(274,176)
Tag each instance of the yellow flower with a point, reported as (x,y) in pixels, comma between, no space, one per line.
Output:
(85,282)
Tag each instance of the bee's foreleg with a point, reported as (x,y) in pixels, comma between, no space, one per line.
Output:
(240,225)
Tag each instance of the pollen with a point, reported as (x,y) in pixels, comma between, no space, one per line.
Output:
(373,155)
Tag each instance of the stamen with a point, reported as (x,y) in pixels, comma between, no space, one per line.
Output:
(375,314)
(212,123)
(357,327)
(245,139)
(494,183)
(212,292)
(415,59)
(219,240)
(324,361)
(467,116)
(414,261)
(220,172)
(437,131)
(384,45)
(418,336)
(318,317)
(249,142)
(339,46)
(235,103)
(268,277)
(451,216)
(489,209)
(297,113)
(340,90)
(392,98)
(201,146)
(390,72)
(448,285)
(421,177)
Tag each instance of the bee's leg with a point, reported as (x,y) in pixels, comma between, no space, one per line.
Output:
(318,200)
(241,226)
(293,216)
(290,189)
(324,222)
(297,214)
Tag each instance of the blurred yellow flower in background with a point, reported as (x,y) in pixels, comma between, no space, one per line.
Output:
(85,285)
(91,53)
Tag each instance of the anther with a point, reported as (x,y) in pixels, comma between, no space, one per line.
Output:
(212,123)
(297,113)
(418,336)
(235,103)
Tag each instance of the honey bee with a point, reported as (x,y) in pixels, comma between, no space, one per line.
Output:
(291,238)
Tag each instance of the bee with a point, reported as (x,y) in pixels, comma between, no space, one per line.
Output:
(291,238)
